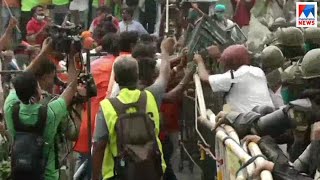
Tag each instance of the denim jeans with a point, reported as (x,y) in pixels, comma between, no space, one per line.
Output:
(5,18)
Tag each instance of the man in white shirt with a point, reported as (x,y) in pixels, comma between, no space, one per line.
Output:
(128,24)
(245,86)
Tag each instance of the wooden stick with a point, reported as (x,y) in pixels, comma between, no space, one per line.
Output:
(11,15)
(167,17)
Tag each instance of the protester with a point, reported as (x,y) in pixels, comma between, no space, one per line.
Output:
(126,74)
(148,16)
(128,24)
(37,26)
(26,15)
(245,86)
(127,42)
(242,13)
(6,38)
(103,13)
(9,7)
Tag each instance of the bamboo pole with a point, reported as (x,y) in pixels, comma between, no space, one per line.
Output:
(254,150)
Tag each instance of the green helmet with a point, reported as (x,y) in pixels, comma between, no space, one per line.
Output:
(312,35)
(310,65)
(272,58)
(292,74)
(278,23)
(290,36)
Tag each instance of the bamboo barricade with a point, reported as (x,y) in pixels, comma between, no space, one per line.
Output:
(229,153)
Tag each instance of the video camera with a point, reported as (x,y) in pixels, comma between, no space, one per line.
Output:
(64,36)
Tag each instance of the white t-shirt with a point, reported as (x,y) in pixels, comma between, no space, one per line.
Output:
(132,26)
(80,5)
(276,98)
(249,89)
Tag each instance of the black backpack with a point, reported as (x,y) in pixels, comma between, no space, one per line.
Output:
(27,161)
(139,156)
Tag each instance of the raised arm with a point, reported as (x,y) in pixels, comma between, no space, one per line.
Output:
(176,92)
(203,73)
(164,74)
(46,49)
(70,91)
(7,36)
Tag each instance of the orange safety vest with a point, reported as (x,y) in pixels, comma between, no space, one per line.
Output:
(101,71)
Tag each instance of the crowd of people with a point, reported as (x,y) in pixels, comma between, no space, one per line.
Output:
(136,86)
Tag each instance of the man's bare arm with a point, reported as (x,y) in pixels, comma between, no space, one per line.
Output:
(7,36)
(35,63)
(203,73)
(164,74)
(98,154)
(176,92)
(70,91)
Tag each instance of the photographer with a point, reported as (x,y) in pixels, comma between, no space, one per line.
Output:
(26,100)
(101,71)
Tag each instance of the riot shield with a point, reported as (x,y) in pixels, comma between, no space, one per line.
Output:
(207,32)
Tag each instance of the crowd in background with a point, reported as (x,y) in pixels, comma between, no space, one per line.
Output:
(132,61)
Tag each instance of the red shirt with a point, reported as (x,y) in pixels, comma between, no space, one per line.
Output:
(97,21)
(33,27)
(242,12)
(101,71)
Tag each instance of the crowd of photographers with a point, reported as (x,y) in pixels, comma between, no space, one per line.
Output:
(272,98)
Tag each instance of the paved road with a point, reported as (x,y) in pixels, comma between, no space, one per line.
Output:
(185,174)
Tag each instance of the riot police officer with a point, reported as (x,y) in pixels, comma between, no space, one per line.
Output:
(312,38)
(290,41)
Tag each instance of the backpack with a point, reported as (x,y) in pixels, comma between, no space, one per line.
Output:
(139,156)
(27,161)
(231,86)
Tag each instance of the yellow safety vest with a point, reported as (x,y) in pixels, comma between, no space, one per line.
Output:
(126,96)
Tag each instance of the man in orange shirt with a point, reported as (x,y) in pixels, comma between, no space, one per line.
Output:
(126,44)
(101,70)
